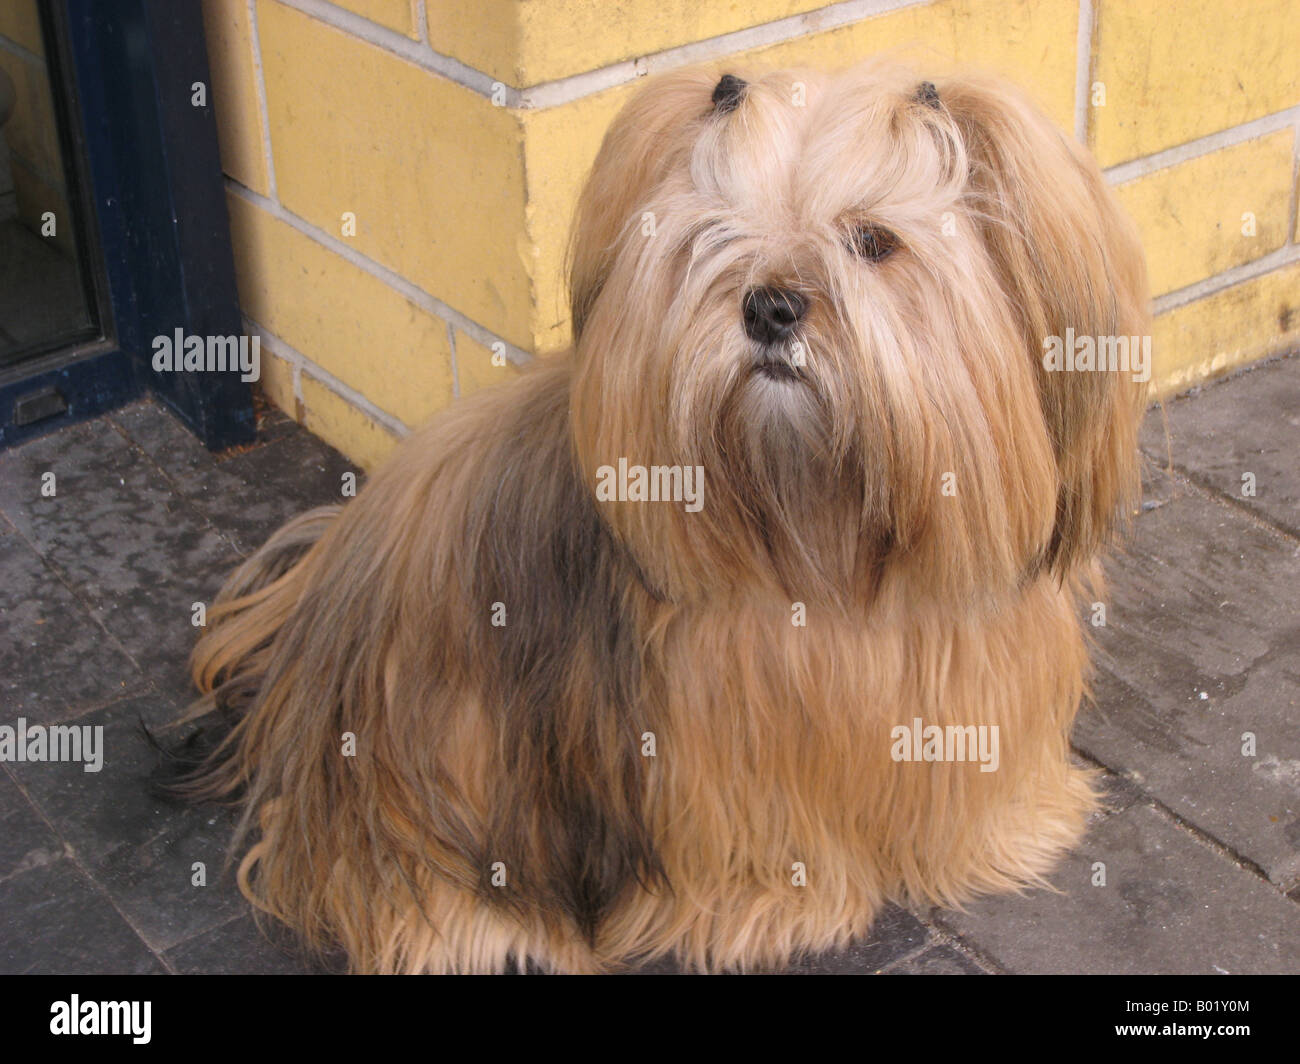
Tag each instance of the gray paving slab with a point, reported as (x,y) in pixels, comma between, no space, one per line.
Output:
(121,538)
(55,660)
(247,494)
(26,841)
(140,848)
(895,933)
(1170,905)
(241,947)
(57,923)
(937,960)
(1247,424)
(1200,652)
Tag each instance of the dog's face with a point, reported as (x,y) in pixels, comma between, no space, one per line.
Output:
(832,295)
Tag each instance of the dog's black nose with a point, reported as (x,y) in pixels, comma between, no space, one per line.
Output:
(771,314)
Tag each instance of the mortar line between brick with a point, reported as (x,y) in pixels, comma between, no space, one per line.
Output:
(1284,256)
(455,367)
(576,86)
(1194,149)
(1083,69)
(422,299)
(264,113)
(1292,235)
(392,425)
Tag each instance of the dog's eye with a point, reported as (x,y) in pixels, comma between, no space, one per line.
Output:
(873,242)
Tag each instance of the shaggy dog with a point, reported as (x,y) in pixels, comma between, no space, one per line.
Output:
(625,659)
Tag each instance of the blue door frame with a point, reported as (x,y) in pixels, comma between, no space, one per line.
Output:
(143,163)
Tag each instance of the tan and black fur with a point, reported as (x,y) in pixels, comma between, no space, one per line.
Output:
(484,750)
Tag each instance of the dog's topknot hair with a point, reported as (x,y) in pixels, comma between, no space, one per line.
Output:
(927,94)
(728,94)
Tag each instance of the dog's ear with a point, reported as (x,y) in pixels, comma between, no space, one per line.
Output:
(1070,260)
(650,138)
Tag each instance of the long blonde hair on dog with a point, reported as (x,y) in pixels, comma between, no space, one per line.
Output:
(643,756)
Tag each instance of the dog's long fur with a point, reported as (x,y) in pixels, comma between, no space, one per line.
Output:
(485,750)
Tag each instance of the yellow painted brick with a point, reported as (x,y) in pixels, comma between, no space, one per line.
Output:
(344,427)
(1030,42)
(474,368)
(1240,324)
(397,15)
(30,131)
(525,42)
(484,35)
(20,22)
(276,383)
(1191,215)
(349,323)
(1175,70)
(234,91)
(433,171)
(560,144)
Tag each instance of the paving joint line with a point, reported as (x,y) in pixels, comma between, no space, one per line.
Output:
(944,935)
(74,858)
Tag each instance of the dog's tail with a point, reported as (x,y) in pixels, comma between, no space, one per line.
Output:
(230,660)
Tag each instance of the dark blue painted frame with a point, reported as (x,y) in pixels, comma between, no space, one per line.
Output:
(145,165)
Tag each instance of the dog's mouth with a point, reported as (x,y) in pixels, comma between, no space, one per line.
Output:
(778,371)
(774,366)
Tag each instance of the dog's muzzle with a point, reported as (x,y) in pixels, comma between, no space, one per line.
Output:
(771,316)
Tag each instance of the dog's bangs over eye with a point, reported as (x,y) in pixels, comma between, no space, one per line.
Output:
(873,242)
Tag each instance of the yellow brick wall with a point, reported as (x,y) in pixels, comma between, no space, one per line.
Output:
(455,135)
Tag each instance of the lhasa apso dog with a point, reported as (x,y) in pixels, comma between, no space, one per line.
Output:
(757,609)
